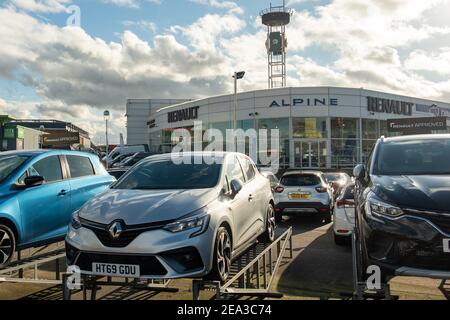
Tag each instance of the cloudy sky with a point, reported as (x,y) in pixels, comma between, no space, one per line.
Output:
(189,49)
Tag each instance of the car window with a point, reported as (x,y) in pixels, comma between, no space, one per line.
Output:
(369,159)
(164,174)
(49,168)
(21,180)
(349,192)
(9,164)
(234,170)
(303,180)
(80,166)
(413,157)
(225,186)
(248,168)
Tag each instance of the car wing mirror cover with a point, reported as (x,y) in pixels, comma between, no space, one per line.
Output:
(359,172)
(34,181)
(236,187)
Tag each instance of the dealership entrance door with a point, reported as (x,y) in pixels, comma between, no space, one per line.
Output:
(310,154)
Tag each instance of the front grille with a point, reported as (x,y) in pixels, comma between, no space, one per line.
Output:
(126,237)
(149,265)
(441,220)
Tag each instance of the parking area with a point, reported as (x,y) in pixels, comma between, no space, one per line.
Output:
(319,270)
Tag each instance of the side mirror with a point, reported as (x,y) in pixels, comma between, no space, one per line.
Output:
(236,187)
(34,181)
(359,172)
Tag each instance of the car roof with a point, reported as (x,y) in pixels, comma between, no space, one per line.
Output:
(417,137)
(23,152)
(117,169)
(33,153)
(215,154)
(335,172)
(318,173)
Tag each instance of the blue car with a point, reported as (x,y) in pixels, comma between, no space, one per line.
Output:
(39,192)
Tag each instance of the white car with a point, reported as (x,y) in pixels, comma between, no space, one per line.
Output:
(165,219)
(302,192)
(344,215)
(272,178)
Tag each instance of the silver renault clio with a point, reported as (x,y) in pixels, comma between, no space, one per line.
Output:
(173,218)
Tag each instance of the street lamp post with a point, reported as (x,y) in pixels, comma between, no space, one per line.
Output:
(237,76)
(41,137)
(106,115)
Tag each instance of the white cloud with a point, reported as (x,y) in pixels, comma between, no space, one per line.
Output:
(145,25)
(439,62)
(231,6)
(124,3)
(376,44)
(42,6)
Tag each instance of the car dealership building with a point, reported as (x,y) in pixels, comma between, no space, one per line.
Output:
(319,127)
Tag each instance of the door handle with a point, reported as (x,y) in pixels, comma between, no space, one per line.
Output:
(62,193)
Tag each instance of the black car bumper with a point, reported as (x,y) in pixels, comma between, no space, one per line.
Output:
(302,207)
(408,242)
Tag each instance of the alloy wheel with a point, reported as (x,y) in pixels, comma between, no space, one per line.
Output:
(224,255)
(271,224)
(6,247)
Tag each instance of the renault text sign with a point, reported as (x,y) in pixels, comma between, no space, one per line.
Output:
(381,105)
(183,115)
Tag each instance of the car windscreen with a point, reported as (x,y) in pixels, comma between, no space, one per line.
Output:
(416,157)
(349,192)
(331,177)
(163,174)
(300,180)
(9,164)
(117,174)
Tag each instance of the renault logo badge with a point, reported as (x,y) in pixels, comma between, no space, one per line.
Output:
(115,230)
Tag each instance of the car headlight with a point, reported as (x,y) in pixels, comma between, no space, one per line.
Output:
(382,208)
(199,221)
(75,223)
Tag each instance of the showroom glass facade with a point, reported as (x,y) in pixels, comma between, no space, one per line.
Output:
(305,142)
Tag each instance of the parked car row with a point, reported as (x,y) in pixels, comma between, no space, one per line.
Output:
(119,153)
(167,217)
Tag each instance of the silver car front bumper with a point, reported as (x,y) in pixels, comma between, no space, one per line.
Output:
(155,243)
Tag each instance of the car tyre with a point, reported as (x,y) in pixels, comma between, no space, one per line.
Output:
(222,257)
(278,217)
(341,240)
(7,245)
(327,218)
(269,235)
(361,260)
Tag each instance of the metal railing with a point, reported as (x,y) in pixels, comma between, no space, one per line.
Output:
(255,276)
(15,273)
(95,283)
